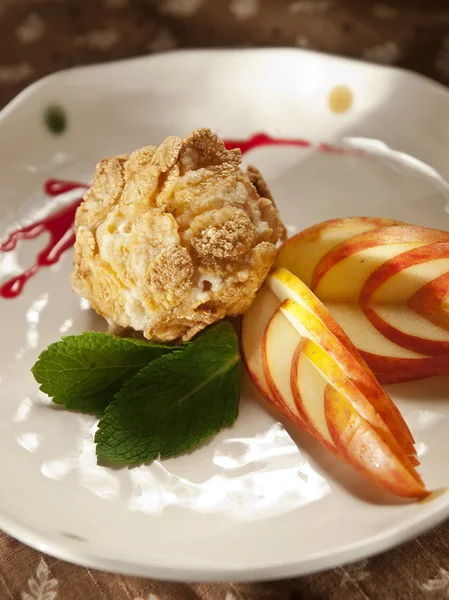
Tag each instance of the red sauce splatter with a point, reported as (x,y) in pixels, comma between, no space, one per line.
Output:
(60,224)
(62,236)
(259,140)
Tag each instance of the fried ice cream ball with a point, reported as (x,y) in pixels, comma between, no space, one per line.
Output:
(170,239)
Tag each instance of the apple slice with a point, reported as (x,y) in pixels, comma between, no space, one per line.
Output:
(432,301)
(400,278)
(302,252)
(354,368)
(365,450)
(386,294)
(404,327)
(392,370)
(302,387)
(312,319)
(307,389)
(279,343)
(364,335)
(293,372)
(384,270)
(389,362)
(341,273)
(254,324)
(310,353)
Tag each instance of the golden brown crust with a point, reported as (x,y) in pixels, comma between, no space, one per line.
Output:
(267,205)
(175,237)
(224,233)
(170,277)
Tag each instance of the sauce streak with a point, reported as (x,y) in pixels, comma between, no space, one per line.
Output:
(62,236)
(60,224)
(260,140)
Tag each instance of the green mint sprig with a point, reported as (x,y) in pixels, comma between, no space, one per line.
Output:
(156,400)
(176,402)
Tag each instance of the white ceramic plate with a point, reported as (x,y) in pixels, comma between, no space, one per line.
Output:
(250,504)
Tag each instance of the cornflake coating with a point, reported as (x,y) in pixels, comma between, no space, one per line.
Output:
(170,239)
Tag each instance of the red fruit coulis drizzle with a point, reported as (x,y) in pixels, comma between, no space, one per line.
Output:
(260,140)
(59,225)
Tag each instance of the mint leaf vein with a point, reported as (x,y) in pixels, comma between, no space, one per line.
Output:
(84,372)
(176,402)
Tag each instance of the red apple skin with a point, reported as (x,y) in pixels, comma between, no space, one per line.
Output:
(314,231)
(359,402)
(415,256)
(263,391)
(376,237)
(428,301)
(364,449)
(388,369)
(410,342)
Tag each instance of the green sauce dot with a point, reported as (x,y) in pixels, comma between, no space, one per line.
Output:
(55,119)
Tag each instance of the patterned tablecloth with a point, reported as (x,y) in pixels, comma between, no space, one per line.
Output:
(40,36)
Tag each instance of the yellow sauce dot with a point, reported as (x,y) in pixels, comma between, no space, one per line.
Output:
(340,99)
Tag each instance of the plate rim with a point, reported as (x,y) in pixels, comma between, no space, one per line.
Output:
(29,90)
(318,561)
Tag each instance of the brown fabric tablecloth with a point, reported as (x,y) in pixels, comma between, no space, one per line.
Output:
(41,36)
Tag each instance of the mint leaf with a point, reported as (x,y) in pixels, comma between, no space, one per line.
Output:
(84,372)
(176,402)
